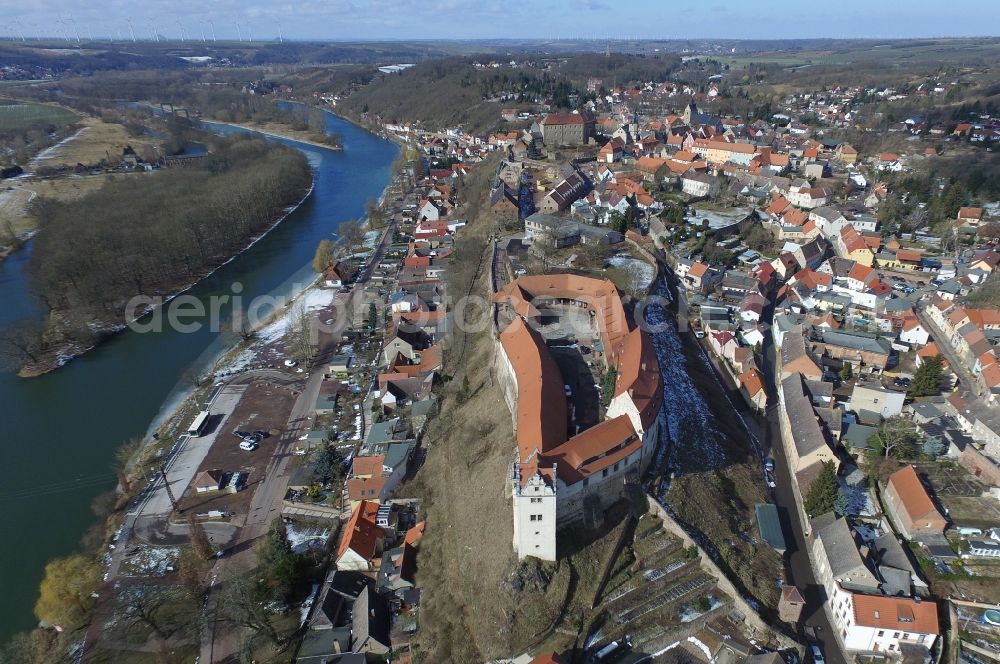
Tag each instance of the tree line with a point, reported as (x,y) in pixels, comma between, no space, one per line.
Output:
(152,235)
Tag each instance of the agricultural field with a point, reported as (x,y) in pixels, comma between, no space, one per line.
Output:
(93,142)
(23,115)
(956,51)
(16,195)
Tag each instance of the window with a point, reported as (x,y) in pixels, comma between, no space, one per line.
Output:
(881,632)
(895,635)
(533,517)
(539,517)
(536,500)
(616,467)
(604,473)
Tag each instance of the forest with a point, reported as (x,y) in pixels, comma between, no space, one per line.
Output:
(155,234)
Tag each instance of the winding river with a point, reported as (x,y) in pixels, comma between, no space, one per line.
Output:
(60,431)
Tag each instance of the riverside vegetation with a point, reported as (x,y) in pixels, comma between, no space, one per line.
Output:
(151,236)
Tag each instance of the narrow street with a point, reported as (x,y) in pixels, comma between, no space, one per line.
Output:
(768,439)
(966,379)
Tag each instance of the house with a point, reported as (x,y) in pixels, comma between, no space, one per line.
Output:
(699,185)
(970,216)
(912,509)
(838,560)
(208,480)
(795,357)
(362,540)
(370,623)
(882,624)
(554,231)
(914,333)
(701,277)
(873,398)
(804,195)
(724,344)
(855,347)
(653,169)
(752,387)
(805,444)
(846,153)
(574,187)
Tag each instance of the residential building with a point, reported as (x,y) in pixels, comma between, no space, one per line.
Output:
(882,624)
(912,508)
(838,560)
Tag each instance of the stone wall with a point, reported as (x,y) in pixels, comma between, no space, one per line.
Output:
(980,465)
(750,615)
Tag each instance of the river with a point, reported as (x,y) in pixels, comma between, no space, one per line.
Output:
(61,430)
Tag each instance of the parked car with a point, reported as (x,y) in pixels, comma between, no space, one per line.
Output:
(248,446)
(817,655)
(769,464)
(769,478)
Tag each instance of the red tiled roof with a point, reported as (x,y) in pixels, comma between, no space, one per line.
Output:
(698,269)
(911,492)
(554,119)
(751,381)
(361,535)
(896,613)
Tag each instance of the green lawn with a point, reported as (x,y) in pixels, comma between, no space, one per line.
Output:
(21,115)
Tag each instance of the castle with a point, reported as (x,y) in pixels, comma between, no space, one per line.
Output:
(571,463)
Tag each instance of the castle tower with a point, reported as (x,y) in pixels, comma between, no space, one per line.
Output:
(534,498)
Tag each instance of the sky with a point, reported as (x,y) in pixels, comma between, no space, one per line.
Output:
(482,19)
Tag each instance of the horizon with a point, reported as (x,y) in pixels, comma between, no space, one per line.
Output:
(442,20)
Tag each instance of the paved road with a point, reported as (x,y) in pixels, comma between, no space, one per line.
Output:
(967,380)
(223,645)
(768,440)
(150,514)
(797,556)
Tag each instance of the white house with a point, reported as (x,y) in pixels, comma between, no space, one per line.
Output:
(880,623)
(914,333)
(699,184)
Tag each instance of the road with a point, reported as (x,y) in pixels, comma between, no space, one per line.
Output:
(768,438)
(966,379)
(797,556)
(223,645)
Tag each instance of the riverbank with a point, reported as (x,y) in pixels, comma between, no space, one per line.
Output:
(59,356)
(72,421)
(277,130)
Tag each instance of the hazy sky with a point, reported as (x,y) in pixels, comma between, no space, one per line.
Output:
(469,19)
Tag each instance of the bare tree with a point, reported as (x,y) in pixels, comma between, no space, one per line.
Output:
(243,601)
(351,234)
(301,331)
(21,342)
(199,538)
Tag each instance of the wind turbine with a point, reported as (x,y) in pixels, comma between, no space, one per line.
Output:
(131,30)
(239,33)
(280,40)
(76,29)
(181,27)
(212,24)
(152,28)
